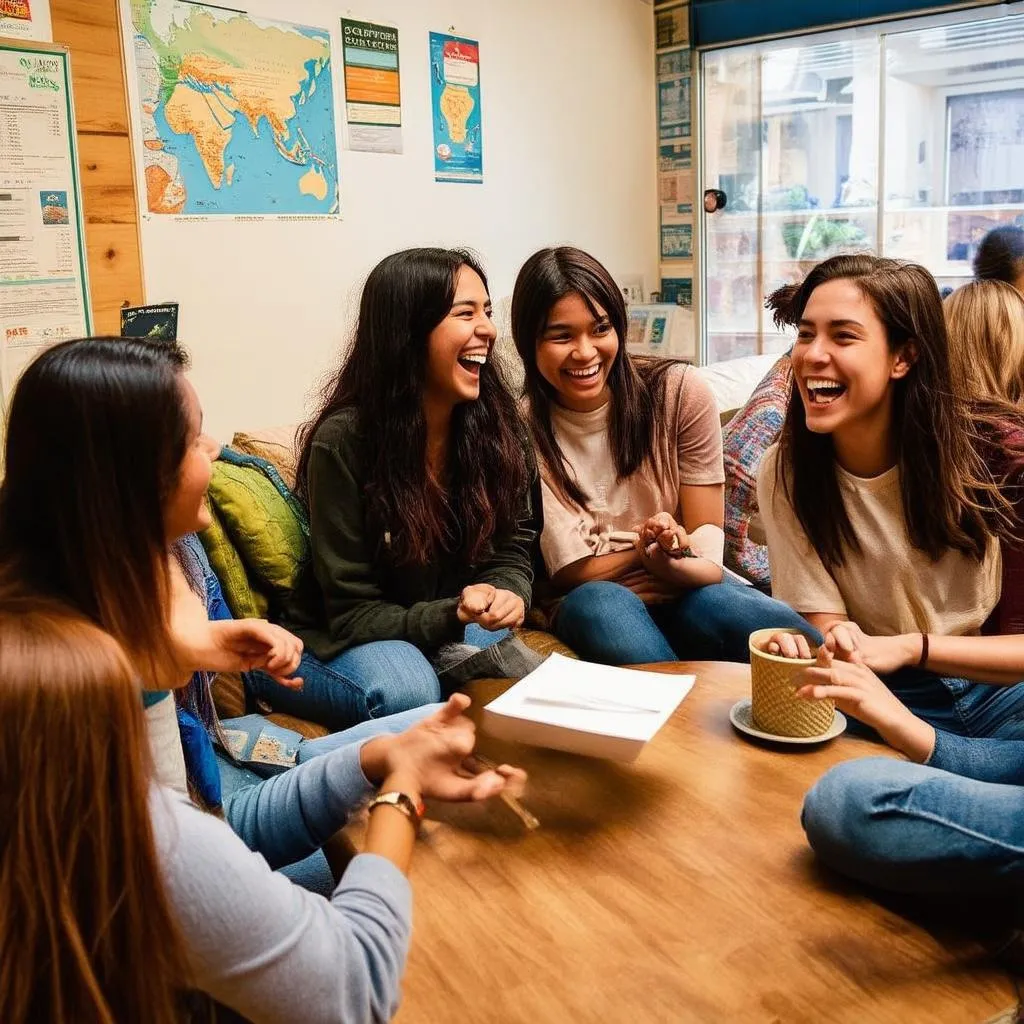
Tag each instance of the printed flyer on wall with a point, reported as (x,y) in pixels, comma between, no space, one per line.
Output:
(25,19)
(672,26)
(677,240)
(44,290)
(678,290)
(455,103)
(373,92)
(674,108)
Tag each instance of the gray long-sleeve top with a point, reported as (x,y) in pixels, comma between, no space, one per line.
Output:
(269,949)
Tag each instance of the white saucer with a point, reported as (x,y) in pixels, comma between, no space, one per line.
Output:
(742,719)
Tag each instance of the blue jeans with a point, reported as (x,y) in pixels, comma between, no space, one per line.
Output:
(270,817)
(910,828)
(606,622)
(960,706)
(370,681)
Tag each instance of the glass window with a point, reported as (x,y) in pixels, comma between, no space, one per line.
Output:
(792,134)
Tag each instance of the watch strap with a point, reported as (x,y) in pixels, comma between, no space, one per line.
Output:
(412,809)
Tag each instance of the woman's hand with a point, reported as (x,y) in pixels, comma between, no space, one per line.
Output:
(883,654)
(491,608)
(659,542)
(241,645)
(662,530)
(789,645)
(859,692)
(433,758)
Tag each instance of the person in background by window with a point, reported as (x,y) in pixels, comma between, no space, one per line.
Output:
(985,320)
(1000,256)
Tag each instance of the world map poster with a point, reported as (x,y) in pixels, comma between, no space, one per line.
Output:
(233,114)
(455,102)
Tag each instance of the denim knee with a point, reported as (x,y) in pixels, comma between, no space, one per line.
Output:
(394,675)
(596,599)
(839,809)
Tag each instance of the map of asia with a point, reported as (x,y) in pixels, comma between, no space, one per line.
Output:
(235,114)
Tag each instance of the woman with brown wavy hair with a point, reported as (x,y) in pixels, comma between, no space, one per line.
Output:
(887,501)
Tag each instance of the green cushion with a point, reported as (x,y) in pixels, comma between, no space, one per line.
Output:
(242,599)
(261,524)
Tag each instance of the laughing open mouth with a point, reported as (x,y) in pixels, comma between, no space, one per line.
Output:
(587,373)
(473,362)
(823,391)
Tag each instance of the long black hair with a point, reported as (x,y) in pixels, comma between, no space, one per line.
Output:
(636,385)
(383,378)
(96,435)
(951,499)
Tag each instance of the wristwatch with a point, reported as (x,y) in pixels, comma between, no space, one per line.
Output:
(412,809)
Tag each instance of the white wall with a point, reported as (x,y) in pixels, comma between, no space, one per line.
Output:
(569,156)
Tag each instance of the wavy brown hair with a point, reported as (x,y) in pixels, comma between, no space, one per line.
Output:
(96,435)
(637,385)
(86,933)
(383,379)
(946,448)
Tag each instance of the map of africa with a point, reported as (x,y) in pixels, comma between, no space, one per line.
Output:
(236,112)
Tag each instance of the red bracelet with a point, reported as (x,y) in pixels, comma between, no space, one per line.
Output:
(923,663)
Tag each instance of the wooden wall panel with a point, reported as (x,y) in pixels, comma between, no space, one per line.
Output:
(90,29)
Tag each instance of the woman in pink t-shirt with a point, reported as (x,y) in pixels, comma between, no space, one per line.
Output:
(632,479)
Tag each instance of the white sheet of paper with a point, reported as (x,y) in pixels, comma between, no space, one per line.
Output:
(647,698)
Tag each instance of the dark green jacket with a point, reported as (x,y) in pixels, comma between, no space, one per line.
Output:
(348,594)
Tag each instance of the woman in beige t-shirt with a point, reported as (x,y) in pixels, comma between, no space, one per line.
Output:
(632,479)
(879,502)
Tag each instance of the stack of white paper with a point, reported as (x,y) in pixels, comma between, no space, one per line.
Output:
(596,710)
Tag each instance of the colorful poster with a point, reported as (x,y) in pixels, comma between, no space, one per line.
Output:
(677,241)
(672,26)
(675,191)
(233,114)
(455,104)
(675,62)
(674,108)
(25,19)
(44,287)
(678,290)
(675,157)
(157,323)
(373,92)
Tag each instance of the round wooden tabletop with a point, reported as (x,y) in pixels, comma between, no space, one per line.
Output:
(677,888)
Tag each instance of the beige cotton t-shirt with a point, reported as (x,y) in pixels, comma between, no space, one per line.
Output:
(889,587)
(687,449)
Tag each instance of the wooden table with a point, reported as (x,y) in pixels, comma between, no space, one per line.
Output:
(676,889)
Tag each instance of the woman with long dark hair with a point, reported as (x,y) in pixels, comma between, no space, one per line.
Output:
(887,498)
(417,477)
(106,467)
(631,462)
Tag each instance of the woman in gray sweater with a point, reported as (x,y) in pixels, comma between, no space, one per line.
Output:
(120,896)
